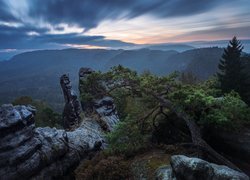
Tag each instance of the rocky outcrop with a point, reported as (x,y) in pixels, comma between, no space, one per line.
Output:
(72,109)
(26,151)
(186,168)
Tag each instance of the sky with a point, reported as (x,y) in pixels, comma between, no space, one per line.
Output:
(56,24)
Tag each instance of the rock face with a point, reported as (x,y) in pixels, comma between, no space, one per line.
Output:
(29,152)
(107,112)
(72,109)
(186,168)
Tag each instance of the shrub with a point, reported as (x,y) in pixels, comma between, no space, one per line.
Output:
(102,167)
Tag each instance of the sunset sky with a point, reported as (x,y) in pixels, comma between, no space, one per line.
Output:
(48,24)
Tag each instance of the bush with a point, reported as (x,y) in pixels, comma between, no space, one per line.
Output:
(102,167)
(227,111)
(127,138)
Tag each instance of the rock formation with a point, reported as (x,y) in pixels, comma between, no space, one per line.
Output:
(27,152)
(186,168)
(72,110)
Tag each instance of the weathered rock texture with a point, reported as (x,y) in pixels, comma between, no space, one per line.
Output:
(185,168)
(27,152)
(45,153)
(72,109)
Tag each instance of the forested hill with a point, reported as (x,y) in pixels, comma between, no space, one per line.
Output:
(36,73)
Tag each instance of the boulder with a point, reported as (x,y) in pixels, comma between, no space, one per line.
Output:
(185,168)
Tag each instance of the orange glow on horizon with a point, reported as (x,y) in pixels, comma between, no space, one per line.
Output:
(78,46)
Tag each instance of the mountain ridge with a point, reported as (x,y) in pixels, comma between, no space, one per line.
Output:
(36,73)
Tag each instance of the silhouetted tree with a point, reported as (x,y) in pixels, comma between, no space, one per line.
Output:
(232,75)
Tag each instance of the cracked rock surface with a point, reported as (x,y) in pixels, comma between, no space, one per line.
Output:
(186,168)
(43,153)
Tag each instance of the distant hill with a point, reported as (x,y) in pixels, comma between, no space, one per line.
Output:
(155,61)
(167,47)
(220,43)
(37,73)
(204,62)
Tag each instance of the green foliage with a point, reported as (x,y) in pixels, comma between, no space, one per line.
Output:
(127,138)
(228,111)
(45,116)
(133,134)
(91,87)
(23,100)
(134,97)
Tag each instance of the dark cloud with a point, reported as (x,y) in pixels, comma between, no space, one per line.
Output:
(71,38)
(19,38)
(77,39)
(5,14)
(89,13)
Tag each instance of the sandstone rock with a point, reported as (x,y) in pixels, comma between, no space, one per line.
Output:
(186,168)
(84,71)
(165,173)
(43,153)
(105,107)
(72,110)
(27,152)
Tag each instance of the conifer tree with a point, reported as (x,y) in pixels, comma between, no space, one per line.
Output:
(231,73)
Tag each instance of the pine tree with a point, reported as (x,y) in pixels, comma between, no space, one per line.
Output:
(232,75)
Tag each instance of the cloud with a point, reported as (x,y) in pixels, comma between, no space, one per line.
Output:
(215,33)
(37,24)
(5,14)
(12,37)
(89,13)
(25,37)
